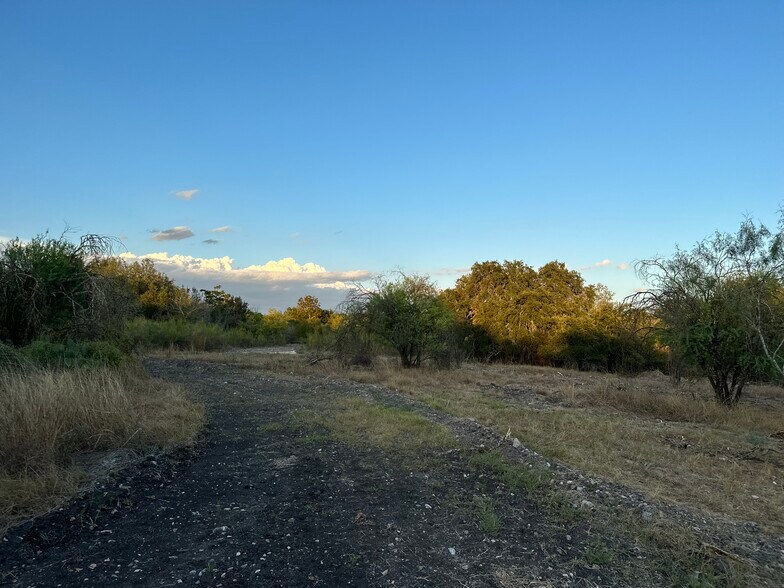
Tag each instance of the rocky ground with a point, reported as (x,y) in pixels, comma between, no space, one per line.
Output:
(267,499)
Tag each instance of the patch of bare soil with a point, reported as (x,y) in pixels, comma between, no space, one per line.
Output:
(268,500)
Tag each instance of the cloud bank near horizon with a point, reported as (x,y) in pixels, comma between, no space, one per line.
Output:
(274,284)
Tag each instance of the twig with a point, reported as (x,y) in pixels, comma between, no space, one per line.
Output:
(725,553)
(131,437)
(318,359)
(505,437)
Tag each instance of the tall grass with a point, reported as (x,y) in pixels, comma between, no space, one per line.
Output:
(72,354)
(189,336)
(48,416)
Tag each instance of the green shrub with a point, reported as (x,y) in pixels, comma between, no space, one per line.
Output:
(719,306)
(407,315)
(488,520)
(142,333)
(355,345)
(73,354)
(277,328)
(12,360)
(598,554)
(48,289)
(594,347)
(322,340)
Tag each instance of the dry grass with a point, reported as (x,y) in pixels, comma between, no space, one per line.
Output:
(672,443)
(48,416)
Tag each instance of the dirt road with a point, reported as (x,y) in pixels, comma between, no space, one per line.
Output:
(270,498)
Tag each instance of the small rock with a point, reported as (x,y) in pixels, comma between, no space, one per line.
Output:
(647,515)
(587,505)
(516,443)
(452,551)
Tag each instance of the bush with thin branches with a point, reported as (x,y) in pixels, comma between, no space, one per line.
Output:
(48,289)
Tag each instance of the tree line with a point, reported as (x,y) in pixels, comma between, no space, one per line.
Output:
(507,312)
(716,310)
(55,292)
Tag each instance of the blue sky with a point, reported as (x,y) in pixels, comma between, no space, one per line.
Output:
(364,136)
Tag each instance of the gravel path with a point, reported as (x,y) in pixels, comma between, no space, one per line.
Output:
(263,501)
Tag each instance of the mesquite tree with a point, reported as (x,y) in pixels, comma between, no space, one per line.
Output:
(719,306)
(407,315)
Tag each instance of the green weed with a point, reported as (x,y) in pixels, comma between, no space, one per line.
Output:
(488,520)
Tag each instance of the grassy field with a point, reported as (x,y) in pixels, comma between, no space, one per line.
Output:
(48,417)
(673,443)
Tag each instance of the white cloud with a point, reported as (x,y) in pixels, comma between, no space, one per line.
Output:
(183,263)
(276,283)
(173,234)
(338,285)
(598,264)
(186,194)
(287,265)
(225,229)
(623,266)
(450,271)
